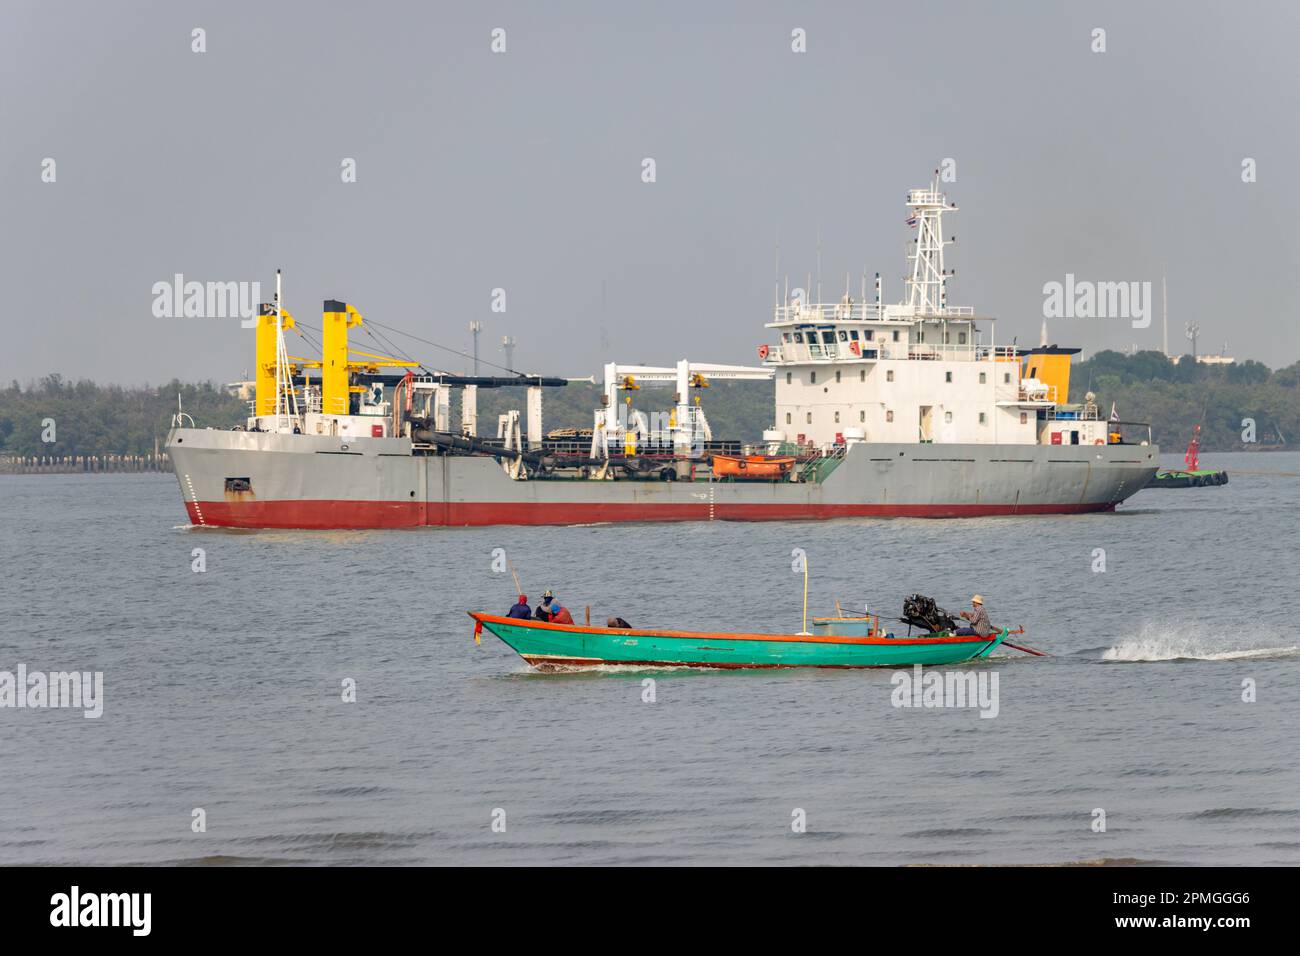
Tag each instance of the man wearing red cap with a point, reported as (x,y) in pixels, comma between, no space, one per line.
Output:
(521,609)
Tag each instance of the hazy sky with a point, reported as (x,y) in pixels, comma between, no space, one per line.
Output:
(522,170)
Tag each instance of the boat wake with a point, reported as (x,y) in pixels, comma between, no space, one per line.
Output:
(1167,643)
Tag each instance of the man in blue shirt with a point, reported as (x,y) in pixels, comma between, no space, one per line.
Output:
(521,608)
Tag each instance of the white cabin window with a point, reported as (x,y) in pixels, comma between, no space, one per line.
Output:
(853,334)
(862,375)
(983,418)
(947,376)
(810,418)
(837,418)
(870,334)
(787,418)
(947,337)
(961,338)
(895,335)
(813,379)
(947,418)
(862,415)
(837,378)
(1024,418)
(789,377)
(983,376)
(1006,378)
(889,415)
(889,375)
(785,337)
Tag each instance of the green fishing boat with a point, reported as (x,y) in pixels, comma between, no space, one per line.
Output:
(839,642)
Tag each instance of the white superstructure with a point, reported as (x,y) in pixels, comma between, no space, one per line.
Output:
(917,372)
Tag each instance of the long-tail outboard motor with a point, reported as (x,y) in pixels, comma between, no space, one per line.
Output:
(921,611)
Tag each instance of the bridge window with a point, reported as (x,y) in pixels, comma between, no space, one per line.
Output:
(787,418)
(862,415)
(810,418)
(853,334)
(837,377)
(983,375)
(895,335)
(983,418)
(889,375)
(870,334)
(789,377)
(961,338)
(947,376)
(813,378)
(828,337)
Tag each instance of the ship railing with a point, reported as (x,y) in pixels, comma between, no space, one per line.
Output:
(1018,393)
(925,352)
(1087,413)
(830,312)
(873,349)
(861,312)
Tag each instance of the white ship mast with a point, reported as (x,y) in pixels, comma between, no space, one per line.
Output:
(927,286)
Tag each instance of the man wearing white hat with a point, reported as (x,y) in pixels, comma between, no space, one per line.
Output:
(978,617)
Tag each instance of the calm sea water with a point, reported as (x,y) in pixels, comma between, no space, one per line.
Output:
(223,690)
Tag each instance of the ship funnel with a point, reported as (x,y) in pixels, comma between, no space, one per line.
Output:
(1051,366)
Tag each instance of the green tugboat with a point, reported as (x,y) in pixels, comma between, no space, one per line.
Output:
(1193,476)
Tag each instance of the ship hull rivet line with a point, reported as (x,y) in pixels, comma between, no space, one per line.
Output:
(195,498)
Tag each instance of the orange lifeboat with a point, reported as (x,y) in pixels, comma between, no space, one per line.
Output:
(758,467)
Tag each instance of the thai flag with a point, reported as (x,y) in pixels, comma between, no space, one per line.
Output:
(912,221)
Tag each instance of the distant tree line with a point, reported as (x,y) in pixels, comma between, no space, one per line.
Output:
(1148,387)
(91,419)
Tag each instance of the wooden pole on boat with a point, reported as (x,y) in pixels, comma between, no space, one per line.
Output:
(588,618)
(518,588)
(804,632)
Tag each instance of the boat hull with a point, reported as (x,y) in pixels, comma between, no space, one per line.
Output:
(562,647)
(310,481)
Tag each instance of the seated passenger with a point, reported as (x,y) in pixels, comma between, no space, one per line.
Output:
(617,622)
(545,610)
(521,608)
(560,614)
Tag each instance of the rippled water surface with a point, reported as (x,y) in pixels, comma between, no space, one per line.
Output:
(223,690)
